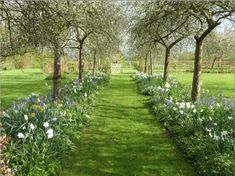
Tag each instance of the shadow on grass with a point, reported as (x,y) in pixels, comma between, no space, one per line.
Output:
(124,138)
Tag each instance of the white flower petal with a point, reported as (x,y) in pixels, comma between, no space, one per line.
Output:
(26,117)
(50,133)
(46,124)
(20,135)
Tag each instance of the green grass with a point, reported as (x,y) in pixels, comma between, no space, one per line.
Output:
(216,83)
(124,138)
(21,83)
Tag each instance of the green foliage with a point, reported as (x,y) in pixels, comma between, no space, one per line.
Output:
(216,164)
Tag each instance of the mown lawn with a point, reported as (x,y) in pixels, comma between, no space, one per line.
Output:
(216,83)
(124,138)
(21,83)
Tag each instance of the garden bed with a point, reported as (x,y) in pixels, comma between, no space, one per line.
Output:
(204,131)
(43,133)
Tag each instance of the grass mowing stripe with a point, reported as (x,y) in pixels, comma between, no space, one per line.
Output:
(125,139)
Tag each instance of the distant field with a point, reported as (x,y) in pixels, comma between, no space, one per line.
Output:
(216,83)
(21,83)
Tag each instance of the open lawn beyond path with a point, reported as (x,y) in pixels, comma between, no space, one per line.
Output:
(21,83)
(124,139)
(217,83)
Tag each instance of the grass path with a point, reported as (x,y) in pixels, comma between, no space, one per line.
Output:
(124,138)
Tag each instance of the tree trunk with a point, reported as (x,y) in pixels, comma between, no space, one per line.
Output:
(151,63)
(196,86)
(98,63)
(145,63)
(81,64)
(94,63)
(68,3)
(221,65)
(212,66)
(57,74)
(166,64)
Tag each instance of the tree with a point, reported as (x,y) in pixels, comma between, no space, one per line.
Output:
(42,24)
(207,15)
(89,18)
(219,46)
(162,22)
(11,42)
(101,47)
(142,52)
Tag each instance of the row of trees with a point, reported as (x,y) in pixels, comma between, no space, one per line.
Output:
(167,23)
(93,27)
(90,26)
(218,46)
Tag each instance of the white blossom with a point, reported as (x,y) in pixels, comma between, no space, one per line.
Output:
(32,126)
(188,105)
(230,117)
(167,85)
(20,135)
(192,106)
(5,114)
(54,119)
(26,117)
(224,133)
(216,137)
(50,133)
(46,124)
(209,131)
